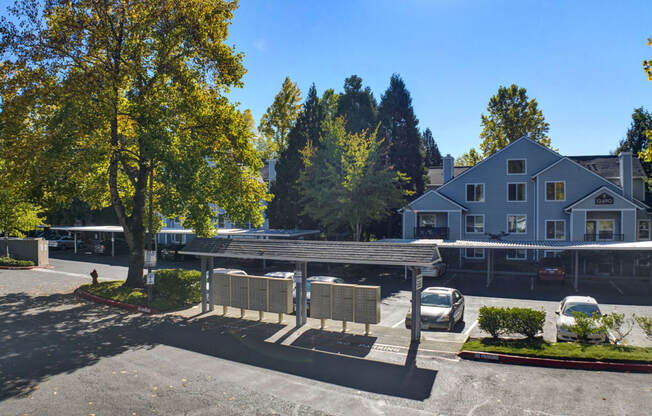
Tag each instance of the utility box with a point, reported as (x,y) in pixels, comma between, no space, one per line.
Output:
(240,291)
(367,304)
(34,249)
(258,293)
(222,289)
(321,298)
(280,295)
(343,302)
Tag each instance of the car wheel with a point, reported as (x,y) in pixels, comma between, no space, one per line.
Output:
(408,324)
(462,317)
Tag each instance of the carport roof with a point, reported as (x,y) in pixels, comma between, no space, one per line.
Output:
(231,232)
(534,245)
(385,253)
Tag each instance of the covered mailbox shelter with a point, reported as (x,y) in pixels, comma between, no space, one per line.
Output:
(303,252)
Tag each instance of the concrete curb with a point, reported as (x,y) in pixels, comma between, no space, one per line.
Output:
(23,267)
(110,302)
(555,363)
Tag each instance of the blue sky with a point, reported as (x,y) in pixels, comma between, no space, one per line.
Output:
(581,60)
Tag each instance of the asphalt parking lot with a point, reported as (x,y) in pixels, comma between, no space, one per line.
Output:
(629,297)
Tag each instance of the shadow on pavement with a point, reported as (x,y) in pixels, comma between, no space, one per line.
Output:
(48,335)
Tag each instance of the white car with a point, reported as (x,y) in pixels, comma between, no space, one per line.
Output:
(221,270)
(583,304)
(436,270)
(441,307)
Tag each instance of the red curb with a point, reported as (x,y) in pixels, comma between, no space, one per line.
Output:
(111,302)
(555,363)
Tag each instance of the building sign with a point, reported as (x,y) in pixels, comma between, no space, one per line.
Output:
(604,199)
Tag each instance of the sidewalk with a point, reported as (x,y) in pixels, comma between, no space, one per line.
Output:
(331,339)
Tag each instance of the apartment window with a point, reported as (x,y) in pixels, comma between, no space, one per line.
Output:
(644,230)
(516,192)
(475,223)
(517,254)
(517,224)
(474,192)
(474,253)
(516,166)
(556,191)
(555,230)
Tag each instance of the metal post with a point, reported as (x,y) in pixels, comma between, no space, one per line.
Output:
(488,267)
(203,284)
(576,283)
(211,297)
(112,245)
(75,234)
(301,269)
(417,282)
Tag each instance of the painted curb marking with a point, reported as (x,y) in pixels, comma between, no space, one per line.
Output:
(111,302)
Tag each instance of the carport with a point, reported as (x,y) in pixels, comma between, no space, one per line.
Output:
(575,247)
(226,232)
(301,253)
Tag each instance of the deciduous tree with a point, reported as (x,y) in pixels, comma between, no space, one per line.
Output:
(112,99)
(344,184)
(511,115)
(276,123)
(471,158)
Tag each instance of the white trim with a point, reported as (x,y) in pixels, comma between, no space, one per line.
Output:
(512,174)
(571,226)
(466,192)
(473,248)
(546,191)
(602,189)
(516,215)
(498,152)
(516,250)
(439,194)
(603,209)
(524,192)
(556,239)
(638,229)
(466,224)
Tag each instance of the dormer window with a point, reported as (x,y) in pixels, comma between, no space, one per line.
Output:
(516,166)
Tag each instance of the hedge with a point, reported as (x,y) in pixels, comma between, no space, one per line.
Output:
(500,321)
(9,262)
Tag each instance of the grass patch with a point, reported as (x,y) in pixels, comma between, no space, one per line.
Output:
(9,262)
(561,350)
(174,289)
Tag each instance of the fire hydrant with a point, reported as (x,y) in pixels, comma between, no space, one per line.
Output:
(94,276)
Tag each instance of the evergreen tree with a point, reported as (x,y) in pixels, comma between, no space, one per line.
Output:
(402,144)
(357,106)
(433,157)
(636,139)
(512,115)
(284,210)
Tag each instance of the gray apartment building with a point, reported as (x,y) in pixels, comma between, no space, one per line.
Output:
(529,192)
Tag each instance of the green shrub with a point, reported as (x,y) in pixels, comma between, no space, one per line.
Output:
(9,262)
(645,323)
(181,287)
(585,325)
(617,325)
(493,320)
(524,321)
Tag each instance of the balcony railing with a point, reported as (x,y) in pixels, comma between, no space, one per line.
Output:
(440,233)
(603,236)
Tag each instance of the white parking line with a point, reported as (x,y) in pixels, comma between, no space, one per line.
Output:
(617,288)
(85,276)
(470,328)
(399,323)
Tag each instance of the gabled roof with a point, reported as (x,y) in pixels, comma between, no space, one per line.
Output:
(436,174)
(603,189)
(432,191)
(575,163)
(500,151)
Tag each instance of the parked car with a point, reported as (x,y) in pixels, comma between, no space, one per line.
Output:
(551,268)
(171,252)
(62,243)
(281,275)
(436,270)
(585,305)
(441,307)
(222,270)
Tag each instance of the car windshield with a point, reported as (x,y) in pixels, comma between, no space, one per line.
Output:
(584,308)
(436,299)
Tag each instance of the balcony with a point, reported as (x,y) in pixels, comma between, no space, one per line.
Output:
(604,236)
(438,233)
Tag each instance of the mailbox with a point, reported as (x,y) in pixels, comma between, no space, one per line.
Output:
(258,293)
(280,295)
(240,292)
(367,304)
(343,302)
(222,289)
(321,294)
